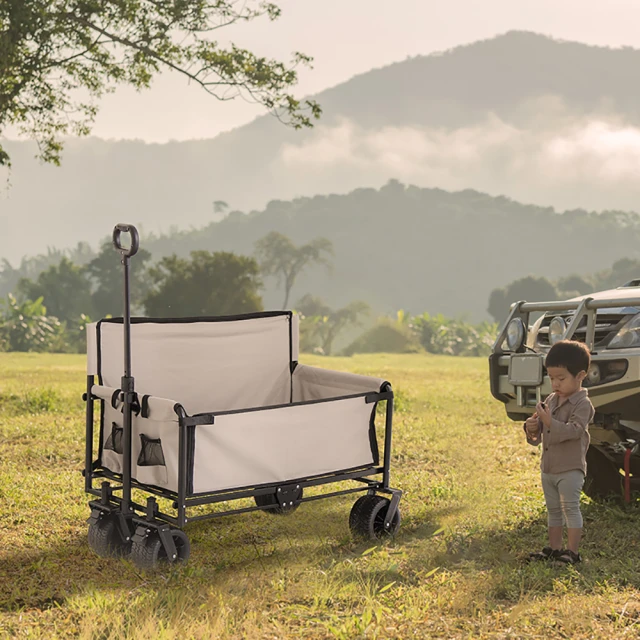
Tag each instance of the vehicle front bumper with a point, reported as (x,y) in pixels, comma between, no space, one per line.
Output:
(620,397)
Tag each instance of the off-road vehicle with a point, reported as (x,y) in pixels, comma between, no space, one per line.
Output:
(608,322)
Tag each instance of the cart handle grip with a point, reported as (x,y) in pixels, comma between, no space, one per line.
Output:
(135,239)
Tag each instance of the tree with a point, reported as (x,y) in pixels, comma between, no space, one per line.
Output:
(622,271)
(106,272)
(209,284)
(279,257)
(51,52)
(31,268)
(65,289)
(323,324)
(530,288)
(220,206)
(574,283)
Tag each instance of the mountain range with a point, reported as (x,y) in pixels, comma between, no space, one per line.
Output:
(520,116)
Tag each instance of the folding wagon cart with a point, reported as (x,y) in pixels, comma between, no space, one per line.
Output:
(221,410)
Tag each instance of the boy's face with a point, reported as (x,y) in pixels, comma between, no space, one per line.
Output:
(563,382)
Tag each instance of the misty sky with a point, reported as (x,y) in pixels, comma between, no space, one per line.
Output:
(347,37)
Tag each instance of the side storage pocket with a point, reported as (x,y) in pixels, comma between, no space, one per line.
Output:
(112,447)
(152,468)
(114,440)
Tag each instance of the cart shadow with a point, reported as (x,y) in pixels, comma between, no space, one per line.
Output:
(44,579)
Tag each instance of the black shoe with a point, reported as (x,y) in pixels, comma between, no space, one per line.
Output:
(566,556)
(546,554)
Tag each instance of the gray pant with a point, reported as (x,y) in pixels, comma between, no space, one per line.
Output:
(562,495)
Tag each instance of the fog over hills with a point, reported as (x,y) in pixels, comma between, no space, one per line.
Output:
(538,120)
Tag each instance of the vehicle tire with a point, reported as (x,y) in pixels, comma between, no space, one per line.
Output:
(104,538)
(150,552)
(366,519)
(603,476)
(270,498)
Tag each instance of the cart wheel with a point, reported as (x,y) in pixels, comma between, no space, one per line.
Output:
(105,540)
(366,519)
(270,498)
(150,551)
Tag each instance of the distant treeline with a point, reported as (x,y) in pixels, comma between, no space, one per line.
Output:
(51,311)
(400,247)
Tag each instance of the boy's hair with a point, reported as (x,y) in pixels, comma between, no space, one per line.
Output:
(572,355)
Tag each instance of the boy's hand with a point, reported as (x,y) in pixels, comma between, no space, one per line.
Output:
(531,425)
(544,414)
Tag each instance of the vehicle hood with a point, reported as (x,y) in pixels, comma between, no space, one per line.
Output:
(621,293)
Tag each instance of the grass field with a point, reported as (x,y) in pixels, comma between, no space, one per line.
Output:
(472,509)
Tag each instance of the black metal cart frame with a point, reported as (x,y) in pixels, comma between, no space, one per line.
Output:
(134,522)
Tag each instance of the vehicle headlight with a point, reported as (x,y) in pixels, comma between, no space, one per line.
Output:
(594,374)
(515,334)
(628,336)
(556,329)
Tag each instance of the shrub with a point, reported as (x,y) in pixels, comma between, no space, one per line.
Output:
(25,326)
(387,336)
(454,337)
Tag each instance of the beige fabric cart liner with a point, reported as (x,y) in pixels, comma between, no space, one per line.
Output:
(270,426)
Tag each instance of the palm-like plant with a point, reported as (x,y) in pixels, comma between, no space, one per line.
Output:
(25,326)
(279,256)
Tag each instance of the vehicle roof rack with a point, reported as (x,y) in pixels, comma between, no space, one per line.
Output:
(631,283)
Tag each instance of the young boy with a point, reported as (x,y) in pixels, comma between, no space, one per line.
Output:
(561,424)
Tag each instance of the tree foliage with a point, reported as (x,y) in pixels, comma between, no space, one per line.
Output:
(435,334)
(31,267)
(453,336)
(534,289)
(25,326)
(279,256)
(64,288)
(209,284)
(52,53)
(106,274)
(529,288)
(621,272)
(321,325)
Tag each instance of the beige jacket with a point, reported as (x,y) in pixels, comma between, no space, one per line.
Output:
(566,440)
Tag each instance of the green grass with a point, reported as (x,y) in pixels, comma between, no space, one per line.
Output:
(472,508)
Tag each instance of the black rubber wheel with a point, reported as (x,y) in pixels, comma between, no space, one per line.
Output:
(270,498)
(150,552)
(105,540)
(366,519)
(603,476)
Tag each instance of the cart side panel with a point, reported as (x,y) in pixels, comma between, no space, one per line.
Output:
(281,444)
(315,383)
(154,440)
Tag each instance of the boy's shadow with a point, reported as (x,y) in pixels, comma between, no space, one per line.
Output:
(501,548)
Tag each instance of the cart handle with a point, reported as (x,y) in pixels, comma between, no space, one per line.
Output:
(135,239)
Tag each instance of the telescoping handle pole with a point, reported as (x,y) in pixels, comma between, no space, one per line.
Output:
(127,383)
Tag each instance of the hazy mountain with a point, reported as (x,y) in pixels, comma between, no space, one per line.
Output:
(539,120)
(422,249)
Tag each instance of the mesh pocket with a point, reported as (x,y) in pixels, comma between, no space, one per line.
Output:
(114,441)
(151,452)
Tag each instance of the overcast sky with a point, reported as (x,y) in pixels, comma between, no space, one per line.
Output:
(348,37)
